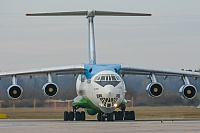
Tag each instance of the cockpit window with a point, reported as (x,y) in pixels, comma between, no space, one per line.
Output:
(103,78)
(117,78)
(107,77)
(98,78)
(113,78)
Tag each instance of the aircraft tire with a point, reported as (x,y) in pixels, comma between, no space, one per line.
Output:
(82,116)
(127,115)
(78,116)
(100,117)
(110,117)
(115,115)
(132,114)
(120,115)
(71,116)
(66,116)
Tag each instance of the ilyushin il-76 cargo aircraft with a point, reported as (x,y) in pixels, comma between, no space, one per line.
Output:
(100,87)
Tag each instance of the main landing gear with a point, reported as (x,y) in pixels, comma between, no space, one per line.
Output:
(116,116)
(74,115)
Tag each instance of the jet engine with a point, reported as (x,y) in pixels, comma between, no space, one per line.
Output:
(154,89)
(14,91)
(188,91)
(50,89)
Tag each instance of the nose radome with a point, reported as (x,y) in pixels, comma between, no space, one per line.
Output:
(109,91)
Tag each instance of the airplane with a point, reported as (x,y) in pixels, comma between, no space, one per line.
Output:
(100,87)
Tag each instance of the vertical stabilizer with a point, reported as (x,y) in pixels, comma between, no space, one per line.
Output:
(91,40)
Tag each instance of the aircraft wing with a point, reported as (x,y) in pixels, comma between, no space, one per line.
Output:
(61,70)
(50,89)
(139,70)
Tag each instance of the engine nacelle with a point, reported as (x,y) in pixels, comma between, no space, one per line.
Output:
(14,91)
(188,91)
(50,89)
(154,89)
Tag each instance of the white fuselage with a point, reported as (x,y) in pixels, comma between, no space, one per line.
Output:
(105,90)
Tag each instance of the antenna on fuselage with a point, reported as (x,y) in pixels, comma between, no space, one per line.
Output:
(90,14)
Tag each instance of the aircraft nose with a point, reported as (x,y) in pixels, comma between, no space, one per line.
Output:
(109,91)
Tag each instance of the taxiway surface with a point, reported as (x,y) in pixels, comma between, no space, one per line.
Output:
(60,126)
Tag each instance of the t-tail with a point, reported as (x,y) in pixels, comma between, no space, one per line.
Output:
(90,14)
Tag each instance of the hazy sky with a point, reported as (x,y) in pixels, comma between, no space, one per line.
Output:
(168,39)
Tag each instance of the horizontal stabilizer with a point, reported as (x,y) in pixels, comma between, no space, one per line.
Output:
(89,13)
(108,13)
(74,13)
